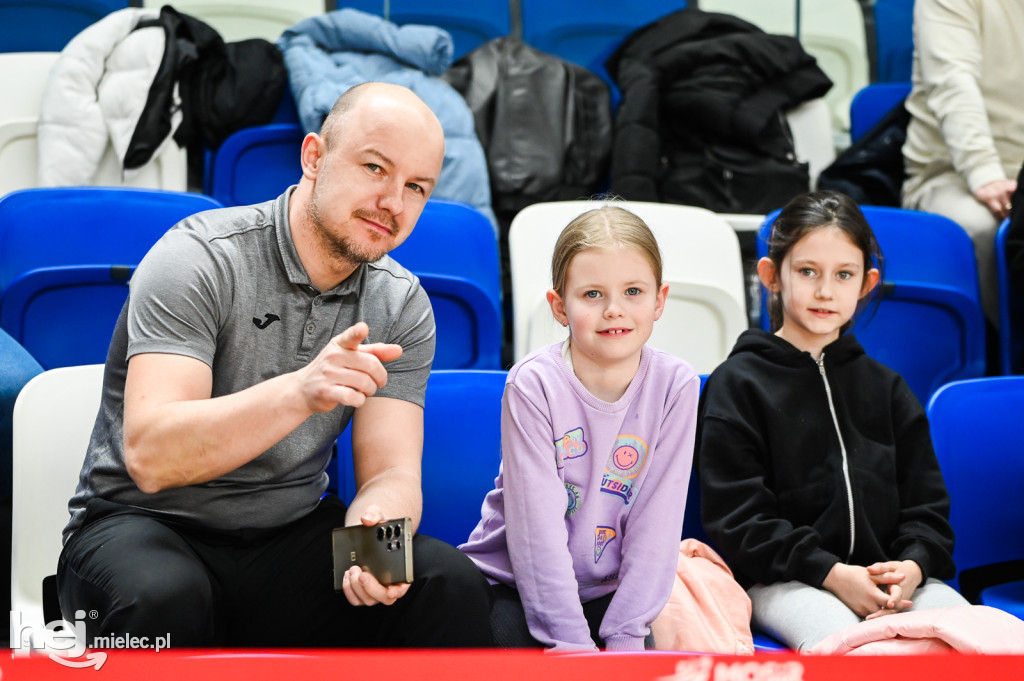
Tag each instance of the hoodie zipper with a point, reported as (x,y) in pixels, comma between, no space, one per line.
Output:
(842,448)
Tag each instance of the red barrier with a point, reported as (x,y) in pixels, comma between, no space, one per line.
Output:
(498,665)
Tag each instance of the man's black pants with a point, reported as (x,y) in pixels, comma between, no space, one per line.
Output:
(135,575)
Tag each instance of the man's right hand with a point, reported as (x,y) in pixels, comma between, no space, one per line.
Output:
(176,434)
(346,371)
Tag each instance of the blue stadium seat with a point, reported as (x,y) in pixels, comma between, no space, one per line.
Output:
(257,146)
(928,324)
(454,252)
(588,35)
(42,303)
(470,22)
(65,259)
(977,430)
(459,467)
(48,25)
(1011,311)
(256,164)
(894,40)
(872,103)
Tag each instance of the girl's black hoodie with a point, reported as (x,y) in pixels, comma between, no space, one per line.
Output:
(804,463)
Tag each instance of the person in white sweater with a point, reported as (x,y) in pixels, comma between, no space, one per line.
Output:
(965,140)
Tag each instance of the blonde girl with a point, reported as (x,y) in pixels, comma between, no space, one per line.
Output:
(579,538)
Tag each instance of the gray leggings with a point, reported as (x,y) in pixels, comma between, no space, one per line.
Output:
(800,615)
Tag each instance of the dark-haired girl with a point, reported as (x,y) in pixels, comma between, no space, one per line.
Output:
(819,482)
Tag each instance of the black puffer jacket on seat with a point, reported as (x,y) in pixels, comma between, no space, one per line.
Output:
(703,103)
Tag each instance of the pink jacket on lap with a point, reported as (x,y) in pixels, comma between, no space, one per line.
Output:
(964,628)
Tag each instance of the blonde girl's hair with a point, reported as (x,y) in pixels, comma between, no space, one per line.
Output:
(603,227)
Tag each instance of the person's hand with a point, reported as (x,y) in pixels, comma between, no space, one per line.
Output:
(856,587)
(346,371)
(362,588)
(900,579)
(996,196)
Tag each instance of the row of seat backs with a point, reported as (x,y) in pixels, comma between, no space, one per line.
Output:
(552,27)
(469,22)
(257,162)
(927,324)
(48,25)
(831,30)
(66,256)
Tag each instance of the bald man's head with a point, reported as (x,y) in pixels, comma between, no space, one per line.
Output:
(381,99)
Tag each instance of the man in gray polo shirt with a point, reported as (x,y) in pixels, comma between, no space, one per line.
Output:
(251,337)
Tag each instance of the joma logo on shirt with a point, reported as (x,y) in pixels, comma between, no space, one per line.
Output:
(267,320)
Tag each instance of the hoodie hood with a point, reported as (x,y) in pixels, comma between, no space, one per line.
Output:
(779,351)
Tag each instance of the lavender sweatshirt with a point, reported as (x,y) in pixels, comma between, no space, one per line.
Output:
(589,498)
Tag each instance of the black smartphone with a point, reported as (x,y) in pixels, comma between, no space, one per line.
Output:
(384,550)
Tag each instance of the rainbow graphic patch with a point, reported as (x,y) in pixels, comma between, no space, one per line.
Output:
(628,458)
(570,446)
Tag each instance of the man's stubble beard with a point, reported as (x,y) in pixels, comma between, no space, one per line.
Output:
(340,246)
